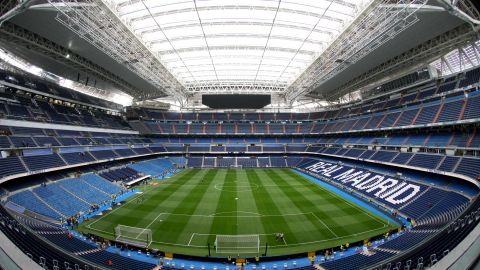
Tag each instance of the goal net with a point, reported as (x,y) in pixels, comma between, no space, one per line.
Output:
(135,236)
(237,244)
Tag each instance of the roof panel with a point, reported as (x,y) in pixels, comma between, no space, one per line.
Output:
(251,42)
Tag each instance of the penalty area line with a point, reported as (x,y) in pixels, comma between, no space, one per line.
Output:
(347,201)
(326,226)
(117,208)
(148,226)
(191,238)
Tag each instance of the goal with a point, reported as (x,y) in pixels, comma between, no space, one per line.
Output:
(237,244)
(135,236)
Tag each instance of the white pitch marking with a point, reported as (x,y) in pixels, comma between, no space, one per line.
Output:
(273,246)
(232,212)
(319,219)
(149,225)
(89,225)
(270,246)
(191,237)
(364,211)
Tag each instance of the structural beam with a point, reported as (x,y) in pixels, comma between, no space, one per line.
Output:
(233,47)
(419,56)
(14,34)
(131,2)
(463,9)
(447,64)
(183,40)
(10,8)
(378,23)
(231,35)
(462,51)
(324,30)
(96,23)
(234,7)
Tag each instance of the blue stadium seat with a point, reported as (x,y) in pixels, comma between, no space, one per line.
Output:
(46,141)
(427,115)
(22,141)
(448,163)
(450,111)
(472,111)
(42,162)
(10,166)
(278,161)
(103,154)
(439,140)
(247,162)
(469,167)
(28,200)
(385,156)
(195,162)
(85,191)
(125,174)
(5,142)
(225,162)
(402,158)
(199,148)
(427,161)
(100,183)
(77,157)
(60,199)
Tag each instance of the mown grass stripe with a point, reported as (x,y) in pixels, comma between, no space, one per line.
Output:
(304,204)
(192,201)
(277,199)
(303,221)
(136,215)
(264,201)
(349,209)
(227,204)
(246,204)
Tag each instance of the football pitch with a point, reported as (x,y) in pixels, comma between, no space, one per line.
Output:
(186,212)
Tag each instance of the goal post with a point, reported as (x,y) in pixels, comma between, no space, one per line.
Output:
(141,237)
(237,244)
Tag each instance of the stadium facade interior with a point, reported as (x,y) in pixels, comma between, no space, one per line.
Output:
(224,134)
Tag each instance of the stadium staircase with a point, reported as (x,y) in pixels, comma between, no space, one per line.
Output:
(413,200)
(23,162)
(48,205)
(94,187)
(74,195)
(440,162)
(471,138)
(87,253)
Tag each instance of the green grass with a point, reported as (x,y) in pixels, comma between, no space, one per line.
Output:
(188,210)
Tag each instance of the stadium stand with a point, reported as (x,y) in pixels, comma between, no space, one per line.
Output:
(408,147)
(28,234)
(158,166)
(120,174)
